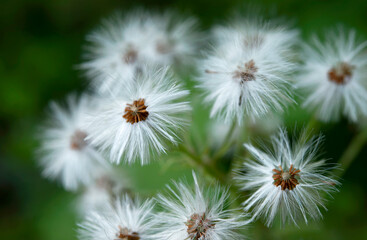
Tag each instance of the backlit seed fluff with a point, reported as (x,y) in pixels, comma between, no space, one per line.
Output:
(335,76)
(198,214)
(247,72)
(287,180)
(65,154)
(125,42)
(124,219)
(104,189)
(135,123)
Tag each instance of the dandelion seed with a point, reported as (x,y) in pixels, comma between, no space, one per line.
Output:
(334,74)
(247,72)
(107,185)
(66,155)
(198,215)
(119,48)
(136,122)
(124,219)
(287,181)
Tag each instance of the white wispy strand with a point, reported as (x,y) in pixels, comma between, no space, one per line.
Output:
(71,166)
(110,131)
(123,43)
(327,99)
(185,201)
(103,190)
(125,213)
(268,47)
(305,200)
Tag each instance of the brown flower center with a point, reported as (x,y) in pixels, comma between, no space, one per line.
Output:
(130,56)
(246,73)
(286,179)
(341,74)
(125,234)
(77,140)
(198,225)
(163,47)
(136,112)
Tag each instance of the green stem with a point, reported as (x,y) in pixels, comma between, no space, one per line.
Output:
(196,160)
(227,143)
(352,150)
(214,173)
(312,127)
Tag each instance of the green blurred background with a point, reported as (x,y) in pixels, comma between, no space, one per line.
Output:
(40,44)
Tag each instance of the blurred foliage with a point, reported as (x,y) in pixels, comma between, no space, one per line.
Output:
(40,47)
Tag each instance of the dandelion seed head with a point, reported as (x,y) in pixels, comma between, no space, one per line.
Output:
(137,123)
(286,181)
(196,214)
(123,219)
(123,44)
(333,77)
(65,154)
(246,75)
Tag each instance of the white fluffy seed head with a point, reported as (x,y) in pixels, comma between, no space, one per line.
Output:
(65,154)
(247,72)
(107,185)
(124,43)
(135,123)
(204,214)
(291,201)
(335,77)
(123,219)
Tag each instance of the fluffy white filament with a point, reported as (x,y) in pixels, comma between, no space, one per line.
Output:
(268,200)
(124,215)
(328,99)
(184,202)
(247,72)
(124,43)
(65,154)
(139,141)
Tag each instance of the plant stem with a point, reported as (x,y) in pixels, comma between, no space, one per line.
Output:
(227,143)
(312,127)
(352,150)
(197,160)
(214,173)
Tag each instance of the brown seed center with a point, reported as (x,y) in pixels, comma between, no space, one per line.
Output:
(125,234)
(163,47)
(246,73)
(130,56)
(198,225)
(77,140)
(286,179)
(136,112)
(341,74)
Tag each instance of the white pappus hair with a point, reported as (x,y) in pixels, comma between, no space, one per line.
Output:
(65,154)
(247,72)
(286,180)
(135,122)
(197,214)
(123,219)
(335,77)
(122,44)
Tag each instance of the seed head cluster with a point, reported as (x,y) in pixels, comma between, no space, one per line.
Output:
(138,111)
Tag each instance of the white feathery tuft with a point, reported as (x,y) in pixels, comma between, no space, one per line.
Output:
(65,153)
(304,199)
(110,130)
(198,214)
(122,44)
(132,219)
(334,75)
(247,72)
